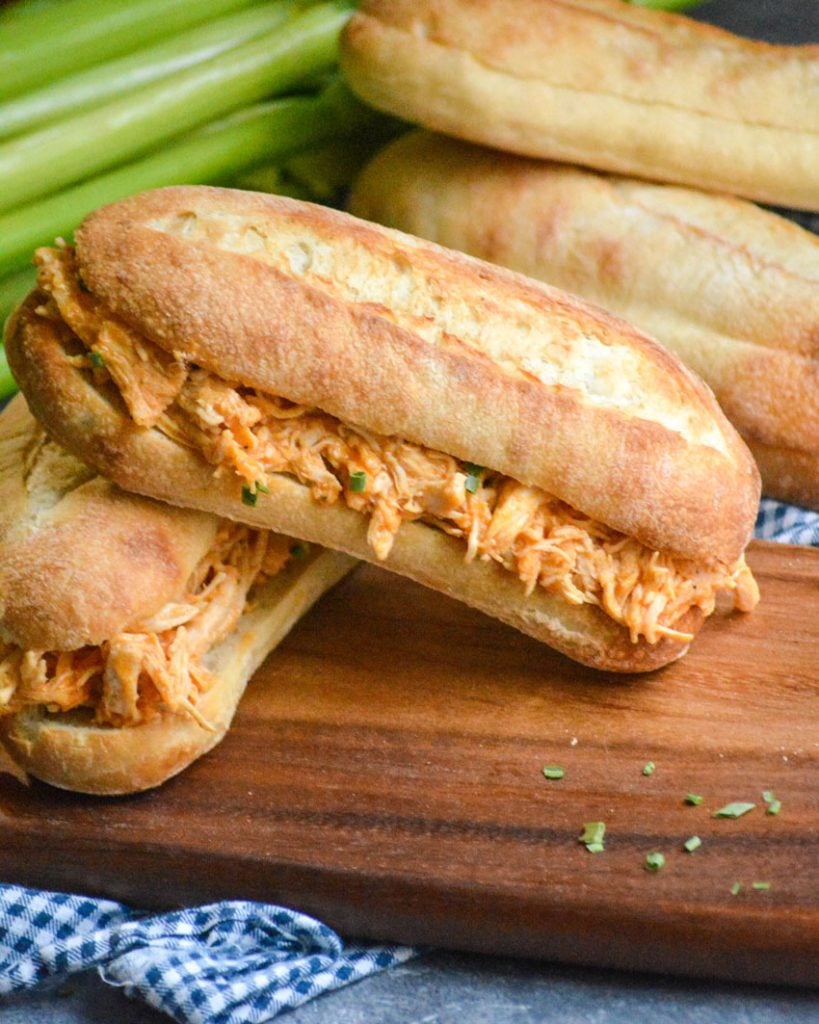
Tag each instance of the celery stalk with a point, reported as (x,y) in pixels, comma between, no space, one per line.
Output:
(216,153)
(12,289)
(95,86)
(8,385)
(668,5)
(56,156)
(46,42)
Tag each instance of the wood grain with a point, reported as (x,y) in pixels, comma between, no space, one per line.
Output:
(384,775)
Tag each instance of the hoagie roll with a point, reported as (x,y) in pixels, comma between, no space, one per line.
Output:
(731,288)
(601,83)
(293,367)
(128,628)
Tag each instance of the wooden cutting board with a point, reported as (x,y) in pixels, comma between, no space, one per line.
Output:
(384,774)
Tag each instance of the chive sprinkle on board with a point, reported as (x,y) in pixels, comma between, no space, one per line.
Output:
(648,768)
(693,799)
(553,771)
(694,843)
(734,810)
(592,836)
(654,861)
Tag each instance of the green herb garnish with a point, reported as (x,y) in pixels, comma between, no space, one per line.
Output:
(761,886)
(736,888)
(694,843)
(97,360)
(648,768)
(592,836)
(262,488)
(694,799)
(734,810)
(553,771)
(474,472)
(774,805)
(654,861)
(358,481)
(249,496)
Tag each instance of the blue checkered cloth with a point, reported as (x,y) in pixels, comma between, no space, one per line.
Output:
(226,963)
(786,523)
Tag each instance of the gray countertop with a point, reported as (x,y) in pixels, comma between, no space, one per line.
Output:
(448,988)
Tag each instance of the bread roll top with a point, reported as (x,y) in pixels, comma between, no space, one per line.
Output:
(81,560)
(601,83)
(411,340)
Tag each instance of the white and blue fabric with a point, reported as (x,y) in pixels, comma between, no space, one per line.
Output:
(227,963)
(786,523)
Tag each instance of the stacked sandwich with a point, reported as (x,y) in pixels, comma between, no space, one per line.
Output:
(289,388)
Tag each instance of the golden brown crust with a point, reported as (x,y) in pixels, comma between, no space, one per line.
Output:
(80,560)
(732,289)
(70,752)
(146,460)
(411,340)
(600,83)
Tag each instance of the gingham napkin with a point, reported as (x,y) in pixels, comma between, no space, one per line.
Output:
(786,523)
(226,963)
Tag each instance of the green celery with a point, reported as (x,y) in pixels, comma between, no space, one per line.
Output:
(54,157)
(46,42)
(8,385)
(217,153)
(94,86)
(668,5)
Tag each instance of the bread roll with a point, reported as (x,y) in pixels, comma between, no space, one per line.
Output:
(600,83)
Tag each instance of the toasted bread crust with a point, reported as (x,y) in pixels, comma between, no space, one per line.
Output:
(411,340)
(599,83)
(69,752)
(81,561)
(732,289)
(96,426)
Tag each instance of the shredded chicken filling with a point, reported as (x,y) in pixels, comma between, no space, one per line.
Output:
(546,542)
(157,666)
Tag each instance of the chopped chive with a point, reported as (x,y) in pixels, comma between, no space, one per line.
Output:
(262,488)
(358,481)
(553,771)
(648,768)
(761,886)
(249,496)
(774,807)
(654,861)
(734,810)
(474,472)
(592,836)
(97,360)
(736,888)
(694,799)
(299,550)
(768,796)
(694,843)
